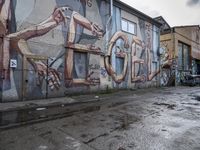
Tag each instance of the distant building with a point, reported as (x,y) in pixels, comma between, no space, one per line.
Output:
(180,51)
(74,46)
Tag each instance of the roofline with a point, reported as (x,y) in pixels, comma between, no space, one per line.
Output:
(186,26)
(135,12)
(163,19)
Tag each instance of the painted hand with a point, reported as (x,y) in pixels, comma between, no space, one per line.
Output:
(96,30)
(93,47)
(53,76)
(59,14)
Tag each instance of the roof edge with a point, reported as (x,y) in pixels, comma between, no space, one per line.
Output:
(163,19)
(134,11)
(183,26)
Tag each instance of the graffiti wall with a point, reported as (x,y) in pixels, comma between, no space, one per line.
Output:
(168,63)
(144,53)
(73,46)
(196,50)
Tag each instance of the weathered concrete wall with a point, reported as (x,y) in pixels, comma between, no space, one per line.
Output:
(64,48)
(190,36)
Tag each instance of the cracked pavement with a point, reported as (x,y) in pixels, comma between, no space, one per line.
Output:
(143,119)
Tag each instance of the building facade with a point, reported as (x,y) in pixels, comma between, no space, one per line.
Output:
(74,46)
(180,52)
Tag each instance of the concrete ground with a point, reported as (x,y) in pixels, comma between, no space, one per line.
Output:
(151,119)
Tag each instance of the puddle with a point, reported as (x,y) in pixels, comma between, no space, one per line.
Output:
(91,109)
(126,121)
(169,106)
(40,109)
(195,104)
(116,104)
(13,118)
(197,98)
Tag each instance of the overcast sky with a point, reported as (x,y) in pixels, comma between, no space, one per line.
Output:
(175,12)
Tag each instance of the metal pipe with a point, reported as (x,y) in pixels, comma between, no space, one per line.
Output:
(111,8)
(108,23)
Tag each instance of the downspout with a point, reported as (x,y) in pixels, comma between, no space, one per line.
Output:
(108,23)
(175,54)
(159,60)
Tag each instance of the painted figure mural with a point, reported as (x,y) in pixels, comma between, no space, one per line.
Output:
(5,18)
(64,48)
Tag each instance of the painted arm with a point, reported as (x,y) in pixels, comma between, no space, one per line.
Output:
(40,29)
(5,15)
(96,30)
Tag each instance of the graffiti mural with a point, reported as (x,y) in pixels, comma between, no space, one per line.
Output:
(70,46)
(5,13)
(168,64)
(137,62)
(121,53)
(143,54)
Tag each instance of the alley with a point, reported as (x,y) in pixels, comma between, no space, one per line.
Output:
(143,119)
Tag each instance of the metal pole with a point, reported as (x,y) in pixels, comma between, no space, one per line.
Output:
(111,8)
(108,23)
(47,75)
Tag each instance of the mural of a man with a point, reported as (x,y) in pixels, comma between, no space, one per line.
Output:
(61,14)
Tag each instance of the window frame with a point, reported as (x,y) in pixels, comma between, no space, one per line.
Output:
(183,45)
(129,22)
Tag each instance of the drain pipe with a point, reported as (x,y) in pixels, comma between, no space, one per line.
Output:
(108,23)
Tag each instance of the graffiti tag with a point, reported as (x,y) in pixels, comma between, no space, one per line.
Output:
(89,3)
(103,72)
(94,67)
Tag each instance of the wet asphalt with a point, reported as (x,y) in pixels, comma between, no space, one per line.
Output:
(145,119)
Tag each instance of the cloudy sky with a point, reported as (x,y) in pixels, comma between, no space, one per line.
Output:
(175,12)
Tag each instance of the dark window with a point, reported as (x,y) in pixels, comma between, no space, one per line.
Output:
(184,56)
(80,65)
